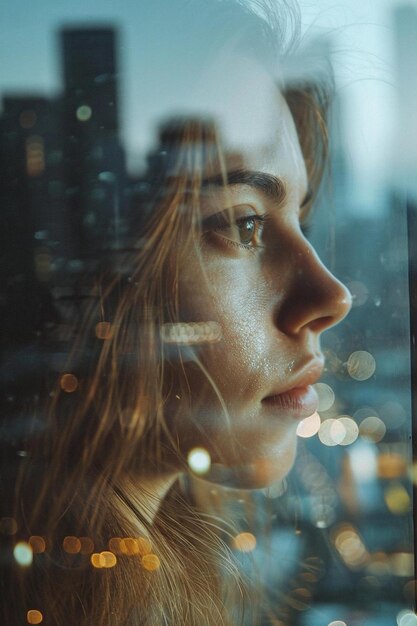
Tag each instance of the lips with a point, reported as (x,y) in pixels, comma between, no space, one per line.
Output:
(300,399)
(298,403)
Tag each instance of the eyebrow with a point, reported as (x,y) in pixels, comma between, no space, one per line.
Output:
(271,186)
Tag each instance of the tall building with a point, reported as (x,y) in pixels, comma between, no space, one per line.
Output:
(94,157)
(90,78)
(33,224)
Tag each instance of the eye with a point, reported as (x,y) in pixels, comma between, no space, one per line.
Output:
(244,232)
(248,230)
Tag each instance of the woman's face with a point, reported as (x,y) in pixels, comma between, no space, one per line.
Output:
(257,277)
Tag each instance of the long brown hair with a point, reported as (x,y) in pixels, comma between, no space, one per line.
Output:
(102,560)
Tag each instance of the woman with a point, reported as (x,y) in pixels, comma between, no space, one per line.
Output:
(202,336)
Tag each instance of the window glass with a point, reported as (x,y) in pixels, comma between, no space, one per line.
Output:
(202,420)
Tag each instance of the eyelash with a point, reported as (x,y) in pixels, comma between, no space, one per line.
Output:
(260,221)
(259,224)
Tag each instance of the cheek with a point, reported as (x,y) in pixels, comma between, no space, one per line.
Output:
(235,295)
(235,298)
(223,412)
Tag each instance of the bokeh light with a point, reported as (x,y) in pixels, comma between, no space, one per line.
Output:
(397,499)
(115,545)
(37,544)
(244,542)
(338,622)
(361,365)
(68,383)
(23,554)
(86,545)
(402,564)
(350,546)
(337,431)
(359,292)
(108,559)
(103,560)
(83,113)
(144,546)
(199,460)
(324,432)
(323,514)
(351,430)
(71,545)
(326,396)
(35,156)
(309,426)
(331,432)
(129,546)
(150,562)
(379,564)
(342,430)
(189,333)
(372,428)
(34,616)
(97,560)
(406,618)
(392,465)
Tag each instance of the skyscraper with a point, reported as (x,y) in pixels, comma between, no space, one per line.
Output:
(33,216)
(94,158)
(90,76)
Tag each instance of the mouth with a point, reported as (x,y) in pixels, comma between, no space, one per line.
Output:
(300,399)
(298,403)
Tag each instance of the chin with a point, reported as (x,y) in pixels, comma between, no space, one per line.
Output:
(258,474)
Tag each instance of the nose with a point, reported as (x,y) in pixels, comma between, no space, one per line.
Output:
(316,299)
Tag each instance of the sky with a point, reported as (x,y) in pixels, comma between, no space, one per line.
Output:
(359,32)
(363,43)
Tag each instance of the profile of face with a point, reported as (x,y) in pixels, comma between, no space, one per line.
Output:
(256,276)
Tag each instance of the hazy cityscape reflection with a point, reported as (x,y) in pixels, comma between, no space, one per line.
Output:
(343,549)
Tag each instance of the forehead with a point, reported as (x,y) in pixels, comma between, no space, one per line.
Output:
(255,123)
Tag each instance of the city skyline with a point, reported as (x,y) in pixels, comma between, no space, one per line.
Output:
(363,58)
(63,193)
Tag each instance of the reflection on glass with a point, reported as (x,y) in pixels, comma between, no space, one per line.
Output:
(185,439)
